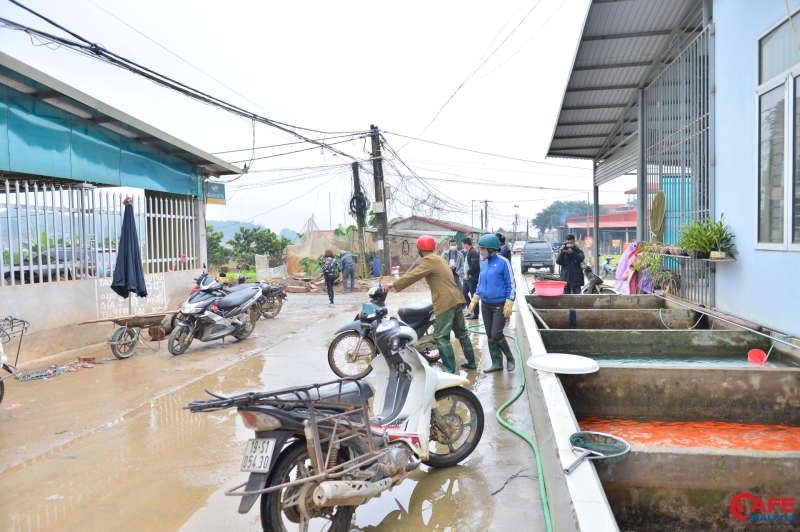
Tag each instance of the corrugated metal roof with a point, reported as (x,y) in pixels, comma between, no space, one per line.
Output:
(619,45)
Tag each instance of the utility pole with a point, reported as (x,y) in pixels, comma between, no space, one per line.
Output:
(380,206)
(486,213)
(362,257)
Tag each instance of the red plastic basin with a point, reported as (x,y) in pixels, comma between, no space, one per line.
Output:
(549,288)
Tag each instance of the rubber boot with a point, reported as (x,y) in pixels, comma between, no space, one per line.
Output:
(448,358)
(497,357)
(469,354)
(506,349)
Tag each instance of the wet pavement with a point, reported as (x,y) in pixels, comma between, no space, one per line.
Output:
(111,446)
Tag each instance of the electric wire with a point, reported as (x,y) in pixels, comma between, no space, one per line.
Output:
(99,52)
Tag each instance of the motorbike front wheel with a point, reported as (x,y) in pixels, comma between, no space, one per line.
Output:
(603,273)
(280,510)
(179,340)
(249,326)
(350,355)
(462,412)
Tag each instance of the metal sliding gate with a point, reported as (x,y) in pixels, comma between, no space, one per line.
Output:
(676,132)
(52,233)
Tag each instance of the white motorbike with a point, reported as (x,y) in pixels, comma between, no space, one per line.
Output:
(318,454)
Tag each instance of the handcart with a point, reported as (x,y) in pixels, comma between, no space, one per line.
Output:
(9,327)
(124,340)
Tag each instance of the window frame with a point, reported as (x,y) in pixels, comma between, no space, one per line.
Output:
(789,79)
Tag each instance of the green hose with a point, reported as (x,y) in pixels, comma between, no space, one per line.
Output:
(476,329)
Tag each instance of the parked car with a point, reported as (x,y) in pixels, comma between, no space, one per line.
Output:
(518,245)
(537,254)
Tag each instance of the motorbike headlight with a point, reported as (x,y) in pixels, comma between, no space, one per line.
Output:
(189,308)
(259,421)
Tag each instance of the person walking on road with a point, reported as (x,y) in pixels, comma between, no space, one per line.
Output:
(349,262)
(447,302)
(330,270)
(569,258)
(496,293)
(455,260)
(504,251)
(472,271)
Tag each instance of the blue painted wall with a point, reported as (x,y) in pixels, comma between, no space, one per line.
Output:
(759,286)
(41,139)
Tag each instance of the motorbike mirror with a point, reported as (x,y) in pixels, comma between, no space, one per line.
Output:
(223,274)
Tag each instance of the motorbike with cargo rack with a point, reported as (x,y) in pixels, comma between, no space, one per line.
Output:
(318,454)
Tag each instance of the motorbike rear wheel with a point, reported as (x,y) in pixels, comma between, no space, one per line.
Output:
(270,311)
(463,414)
(179,340)
(294,463)
(250,325)
(603,273)
(345,361)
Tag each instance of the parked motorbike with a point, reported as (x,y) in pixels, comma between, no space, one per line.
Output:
(608,269)
(317,454)
(273,296)
(353,345)
(594,284)
(212,313)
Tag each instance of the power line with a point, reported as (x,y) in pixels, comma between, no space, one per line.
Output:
(290,152)
(99,52)
(176,55)
(287,143)
(474,71)
(485,153)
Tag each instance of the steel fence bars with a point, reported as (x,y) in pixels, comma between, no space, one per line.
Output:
(676,133)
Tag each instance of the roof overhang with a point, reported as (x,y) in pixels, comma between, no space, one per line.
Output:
(29,80)
(621,46)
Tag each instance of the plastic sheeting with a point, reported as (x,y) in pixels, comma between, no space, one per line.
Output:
(314,242)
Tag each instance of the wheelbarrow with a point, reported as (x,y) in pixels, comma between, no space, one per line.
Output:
(125,339)
(9,327)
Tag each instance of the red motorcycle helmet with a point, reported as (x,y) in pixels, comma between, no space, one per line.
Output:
(426,243)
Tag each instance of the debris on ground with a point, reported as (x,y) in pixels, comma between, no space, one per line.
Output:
(37,374)
(12,407)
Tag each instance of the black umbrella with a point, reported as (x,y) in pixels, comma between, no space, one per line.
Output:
(128,274)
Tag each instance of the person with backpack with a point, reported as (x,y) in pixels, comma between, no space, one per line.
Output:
(330,270)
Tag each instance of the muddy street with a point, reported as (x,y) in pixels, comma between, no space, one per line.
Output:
(112,447)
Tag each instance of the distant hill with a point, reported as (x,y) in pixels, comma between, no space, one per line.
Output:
(291,235)
(230,227)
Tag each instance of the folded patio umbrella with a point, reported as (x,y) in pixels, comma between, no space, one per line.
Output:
(128,274)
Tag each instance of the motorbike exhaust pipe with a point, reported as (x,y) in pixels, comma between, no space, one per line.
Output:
(349,492)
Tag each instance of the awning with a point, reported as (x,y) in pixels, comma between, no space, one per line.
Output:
(620,48)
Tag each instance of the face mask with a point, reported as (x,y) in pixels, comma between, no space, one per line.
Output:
(485,254)
(453,248)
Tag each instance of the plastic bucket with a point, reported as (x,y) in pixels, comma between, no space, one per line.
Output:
(757,356)
(549,288)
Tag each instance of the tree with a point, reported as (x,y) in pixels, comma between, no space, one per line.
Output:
(247,243)
(557,213)
(218,254)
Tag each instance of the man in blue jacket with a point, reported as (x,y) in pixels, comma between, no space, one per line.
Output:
(496,292)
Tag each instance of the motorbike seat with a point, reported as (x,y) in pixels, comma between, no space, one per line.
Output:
(236,298)
(415,312)
(264,287)
(349,393)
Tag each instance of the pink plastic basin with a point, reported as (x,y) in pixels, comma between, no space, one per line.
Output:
(549,288)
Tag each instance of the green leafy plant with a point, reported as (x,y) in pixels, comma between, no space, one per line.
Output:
(704,236)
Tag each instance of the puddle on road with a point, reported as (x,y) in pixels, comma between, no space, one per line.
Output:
(154,468)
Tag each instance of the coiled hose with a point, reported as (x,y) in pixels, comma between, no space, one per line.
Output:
(478,329)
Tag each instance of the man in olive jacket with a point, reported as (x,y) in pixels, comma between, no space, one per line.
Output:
(447,303)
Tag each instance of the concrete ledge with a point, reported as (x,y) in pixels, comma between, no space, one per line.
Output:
(619,318)
(744,395)
(566,302)
(691,489)
(577,502)
(651,342)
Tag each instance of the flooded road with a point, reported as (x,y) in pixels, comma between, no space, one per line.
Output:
(156,466)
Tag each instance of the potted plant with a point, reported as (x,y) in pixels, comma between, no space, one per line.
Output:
(702,237)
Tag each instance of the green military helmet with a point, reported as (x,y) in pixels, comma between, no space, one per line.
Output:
(489,242)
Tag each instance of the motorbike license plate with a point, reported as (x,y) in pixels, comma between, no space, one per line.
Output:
(258,455)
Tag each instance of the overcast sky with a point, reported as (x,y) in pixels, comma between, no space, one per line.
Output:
(341,66)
